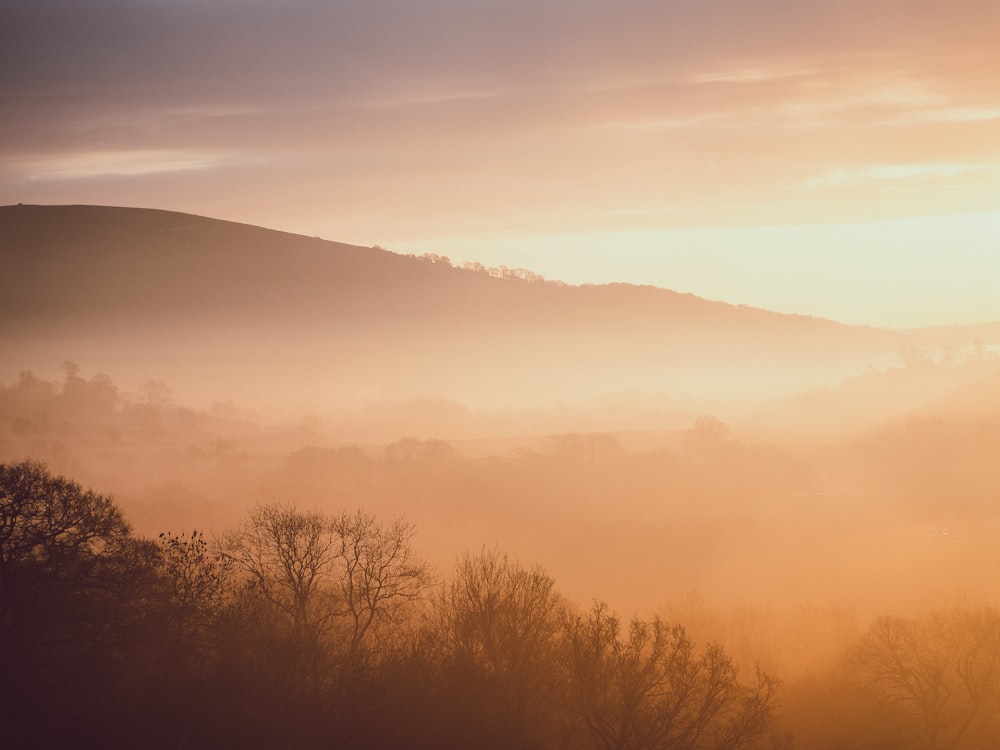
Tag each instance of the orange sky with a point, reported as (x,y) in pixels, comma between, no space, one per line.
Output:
(838,159)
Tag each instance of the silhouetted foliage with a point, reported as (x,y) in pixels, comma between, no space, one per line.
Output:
(60,548)
(74,586)
(198,582)
(379,575)
(288,556)
(499,627)
(650,688)
(310,630)
(942,670)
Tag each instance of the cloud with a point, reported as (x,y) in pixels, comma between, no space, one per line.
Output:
(431,96)
(952,115)
(488,113)
(752,75)
(896,173)
(81,166)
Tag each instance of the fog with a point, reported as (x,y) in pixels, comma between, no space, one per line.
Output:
(286,323)
(629,506)
(809,496)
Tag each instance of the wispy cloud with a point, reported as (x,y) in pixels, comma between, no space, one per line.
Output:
(834,96)
(751,75)
(429,97)
(952,115)
(374,120)
(895,173)
(659,123)
(119,164)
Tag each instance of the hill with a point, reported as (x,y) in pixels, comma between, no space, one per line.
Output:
(221,309)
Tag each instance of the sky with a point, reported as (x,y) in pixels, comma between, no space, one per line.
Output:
(834,159)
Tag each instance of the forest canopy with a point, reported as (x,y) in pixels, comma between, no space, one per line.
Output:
(307,630)
(299,628)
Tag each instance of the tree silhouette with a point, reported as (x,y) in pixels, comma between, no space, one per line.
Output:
(650,688)
(378,574)
(75,592)
(289,556)
(197,580)
(61,550)
(942,669)
(500,625)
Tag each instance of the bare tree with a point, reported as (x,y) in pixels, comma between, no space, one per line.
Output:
(197,581)
(498,614)
(378,573)
(500,625)
(648,688)
(351,569)
(942,669)
(290,556)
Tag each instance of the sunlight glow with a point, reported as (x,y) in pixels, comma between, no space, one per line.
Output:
(899,274)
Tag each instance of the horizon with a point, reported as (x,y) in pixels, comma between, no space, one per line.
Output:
(496,253)
(785,157)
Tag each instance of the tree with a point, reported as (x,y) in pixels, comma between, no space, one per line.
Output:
(290,557)
(197,580)
(304,631)
(378,574)
(650,689)
(500,626)
(60,549)
(90,401)
(75,585)
(941,670)
(352,569)
(708,439)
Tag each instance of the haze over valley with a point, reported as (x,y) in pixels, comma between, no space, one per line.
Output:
(724,466)
(255,308)
(216,365)
(499,375)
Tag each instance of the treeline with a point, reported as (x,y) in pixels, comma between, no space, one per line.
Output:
(632,519)
(298,629)
(495,272)
(91,408)
(301,629)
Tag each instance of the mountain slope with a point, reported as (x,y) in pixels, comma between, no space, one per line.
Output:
(241,309)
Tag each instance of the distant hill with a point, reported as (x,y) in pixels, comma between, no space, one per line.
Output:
(230,309)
